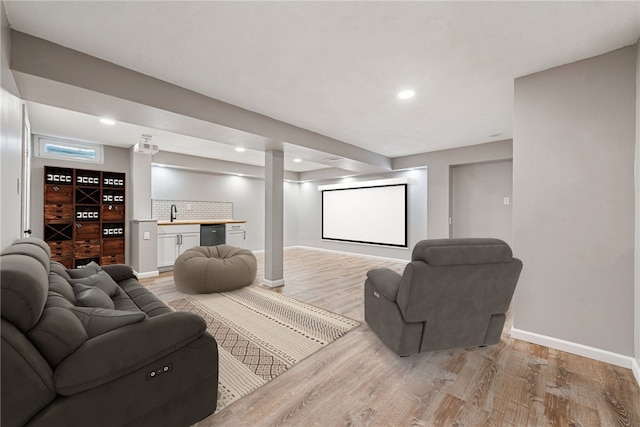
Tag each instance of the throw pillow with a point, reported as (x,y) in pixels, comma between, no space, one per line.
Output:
(100,280)
(85,271)
(97,321)
(88,296)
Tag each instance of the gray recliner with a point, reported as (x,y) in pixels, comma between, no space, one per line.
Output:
(453,293)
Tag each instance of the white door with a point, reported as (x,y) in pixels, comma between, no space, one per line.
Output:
(167,249)
(25,190)
(188,241)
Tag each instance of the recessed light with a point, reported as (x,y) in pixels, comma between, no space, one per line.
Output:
(296,160)
(495,135)
(106,121)
(240,149)
(406,94)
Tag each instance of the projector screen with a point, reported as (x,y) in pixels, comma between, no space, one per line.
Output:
(374,215)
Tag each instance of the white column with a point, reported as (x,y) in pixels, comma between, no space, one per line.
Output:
(274,224)
(139,185)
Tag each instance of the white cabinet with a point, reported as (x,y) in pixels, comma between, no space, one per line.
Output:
(173,240)
(167,249)
(188,241)
(236,234)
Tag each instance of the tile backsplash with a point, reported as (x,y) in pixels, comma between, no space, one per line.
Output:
(191,210)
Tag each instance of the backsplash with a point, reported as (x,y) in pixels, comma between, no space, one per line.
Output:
(191,210)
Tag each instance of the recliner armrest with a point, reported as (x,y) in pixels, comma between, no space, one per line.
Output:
(385,281)
(124,350)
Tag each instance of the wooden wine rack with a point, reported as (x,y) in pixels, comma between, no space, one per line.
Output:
(84,216)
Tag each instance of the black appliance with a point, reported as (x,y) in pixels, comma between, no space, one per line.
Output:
(212,234)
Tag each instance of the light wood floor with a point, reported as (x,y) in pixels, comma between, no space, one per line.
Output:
(357,381)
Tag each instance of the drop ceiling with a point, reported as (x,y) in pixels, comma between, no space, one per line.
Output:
(333,68)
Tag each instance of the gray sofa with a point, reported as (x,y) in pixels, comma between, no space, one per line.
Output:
(453,293)
(92,347)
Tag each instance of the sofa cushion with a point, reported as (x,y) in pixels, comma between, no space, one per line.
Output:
(59,269)
(84,271)
(60,286)
(58,334)
(137,297)
(119,272)
(88,296)
(25,286)
(97,321)
(100,280)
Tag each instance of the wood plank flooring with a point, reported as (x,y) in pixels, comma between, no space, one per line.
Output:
(357,381)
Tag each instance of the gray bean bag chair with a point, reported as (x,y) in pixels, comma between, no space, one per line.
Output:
(207,269)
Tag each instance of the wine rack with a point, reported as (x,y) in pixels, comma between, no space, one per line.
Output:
(84,215)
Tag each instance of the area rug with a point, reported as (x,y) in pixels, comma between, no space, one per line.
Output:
(261,334)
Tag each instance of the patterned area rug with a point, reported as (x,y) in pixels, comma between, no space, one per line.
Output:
(261,334)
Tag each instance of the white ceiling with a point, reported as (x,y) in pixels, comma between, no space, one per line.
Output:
(332,67)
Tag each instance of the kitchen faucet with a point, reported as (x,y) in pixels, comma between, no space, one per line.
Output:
(174,211)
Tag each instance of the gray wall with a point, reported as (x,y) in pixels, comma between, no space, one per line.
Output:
(573,152)
(477,200)
(438,164)
(115,160)
(10,145)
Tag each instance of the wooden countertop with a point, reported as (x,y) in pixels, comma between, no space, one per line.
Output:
(202,221)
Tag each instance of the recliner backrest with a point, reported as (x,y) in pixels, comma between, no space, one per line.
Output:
(27,377)
(462,251)
(456,285)
(24,284)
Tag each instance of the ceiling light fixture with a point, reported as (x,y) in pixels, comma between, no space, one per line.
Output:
(332,159)
(240,149)
(106,121)
(296,160)
(406,94)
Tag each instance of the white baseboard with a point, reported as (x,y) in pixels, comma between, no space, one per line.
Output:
(635,367)
(575,348)
(404,261)
(147,274)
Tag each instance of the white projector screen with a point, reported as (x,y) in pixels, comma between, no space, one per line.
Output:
(373,215)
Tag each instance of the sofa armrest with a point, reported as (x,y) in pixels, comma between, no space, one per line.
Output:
(119,272)
(385,281)
(124,350)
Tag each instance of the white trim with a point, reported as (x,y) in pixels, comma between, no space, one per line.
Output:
(382,258)
(273,283)
(146,274)
(361,184)
(635,367)
(575,348)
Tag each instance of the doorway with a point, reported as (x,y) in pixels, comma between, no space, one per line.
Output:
(481,199)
